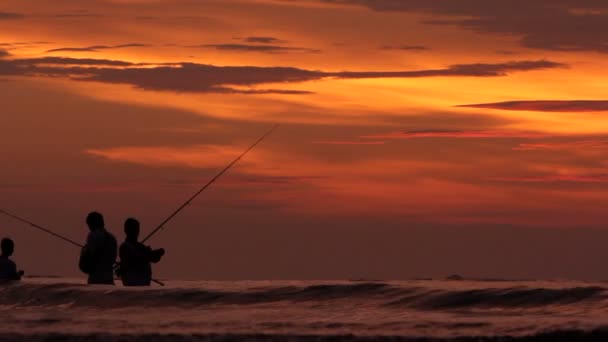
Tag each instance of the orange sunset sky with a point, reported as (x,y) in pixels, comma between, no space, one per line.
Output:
(418,138)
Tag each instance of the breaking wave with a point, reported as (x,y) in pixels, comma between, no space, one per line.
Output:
(380,294)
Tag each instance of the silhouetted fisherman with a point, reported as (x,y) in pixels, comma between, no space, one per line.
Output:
(98,256)
(8,269)
(135,257)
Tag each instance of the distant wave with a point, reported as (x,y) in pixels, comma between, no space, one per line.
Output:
(81,295)
(509,297)
(378,293)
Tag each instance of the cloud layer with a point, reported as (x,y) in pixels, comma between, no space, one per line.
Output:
(547,106)
(262,40)
(257,48)
(455,134)
(10,15)
(97,48)
(193,77)
(558,25)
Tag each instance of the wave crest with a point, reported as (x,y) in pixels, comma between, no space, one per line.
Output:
(381,294)
(509,297)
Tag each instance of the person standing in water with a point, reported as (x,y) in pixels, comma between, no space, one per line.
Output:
(98,256)
(136,258)
(8,269)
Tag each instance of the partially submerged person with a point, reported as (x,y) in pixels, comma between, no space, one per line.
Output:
(98,256)
(136,258)
(8,269)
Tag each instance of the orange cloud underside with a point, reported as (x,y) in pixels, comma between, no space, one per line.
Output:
(376,145)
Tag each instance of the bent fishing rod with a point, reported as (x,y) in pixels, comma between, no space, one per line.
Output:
(185,204)
(48,231)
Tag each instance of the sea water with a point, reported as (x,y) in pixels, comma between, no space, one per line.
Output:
(67,309)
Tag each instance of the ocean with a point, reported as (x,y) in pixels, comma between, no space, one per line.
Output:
(59,309)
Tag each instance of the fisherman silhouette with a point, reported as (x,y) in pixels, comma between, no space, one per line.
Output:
(8,269)
(135,257)
(98,256)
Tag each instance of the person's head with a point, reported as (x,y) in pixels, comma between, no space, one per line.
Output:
(7,246)
(95,221)
(132,229)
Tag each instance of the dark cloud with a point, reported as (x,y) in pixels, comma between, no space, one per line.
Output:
(4,53)
(96,48)
(192,77)
(10,15)
(404,47)
(33,63)
(477,70)
(561,25)
(257,48)
(262,40)
(547,106)
(19,44)
(273,91)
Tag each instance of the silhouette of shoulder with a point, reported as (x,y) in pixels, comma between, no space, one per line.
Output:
(8,268)
(98,239)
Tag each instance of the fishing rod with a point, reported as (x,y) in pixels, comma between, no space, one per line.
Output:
(181,207)
(41,228)
(48,231)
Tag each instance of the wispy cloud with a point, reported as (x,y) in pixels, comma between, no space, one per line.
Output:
(41,65)
(546,106)
(462,70)
(257,48)
(198,156)
(10,15)
(455,134)
(585,144)
(262,40)
(97,48)
(193,77)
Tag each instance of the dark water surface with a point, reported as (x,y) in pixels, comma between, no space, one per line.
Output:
(64,309)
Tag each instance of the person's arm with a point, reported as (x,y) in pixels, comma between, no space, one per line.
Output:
(13,271)
(155,255)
